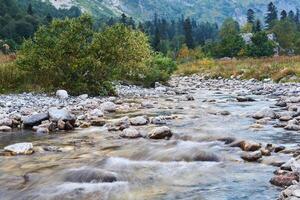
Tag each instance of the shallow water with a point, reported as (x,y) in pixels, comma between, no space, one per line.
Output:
(191,165)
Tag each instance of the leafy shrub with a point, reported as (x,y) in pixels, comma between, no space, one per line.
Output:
(160,70)
(69,54)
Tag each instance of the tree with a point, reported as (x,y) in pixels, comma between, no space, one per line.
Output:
(156,39)
(261,46)
(229,27)
(62,51)
(271,15)
(291,15)
(29,9)
(283,15)
(123,19)
(123,53)
(297,16)
(250,16)
(257,26)
(188,33)
(285,31)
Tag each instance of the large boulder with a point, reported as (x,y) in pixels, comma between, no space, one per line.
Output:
(163,132)
(35,120)
(62,94)
(20,149)
(56,114)
(108,107)
(139,121)
(130,133)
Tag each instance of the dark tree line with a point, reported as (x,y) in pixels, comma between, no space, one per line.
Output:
(170,35)
(20,19)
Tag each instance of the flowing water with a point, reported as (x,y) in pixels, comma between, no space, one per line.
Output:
(194,164)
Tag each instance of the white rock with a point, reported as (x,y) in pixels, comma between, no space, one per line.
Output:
(108,107)
(5,129)
(56,114)
(138,121)
(20,148)
(96,113)
(130,133)
(160,133)
(62,94)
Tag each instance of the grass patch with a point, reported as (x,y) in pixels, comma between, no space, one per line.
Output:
(278,68)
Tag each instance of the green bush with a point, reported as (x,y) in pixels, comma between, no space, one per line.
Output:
(160,70)
(69,54)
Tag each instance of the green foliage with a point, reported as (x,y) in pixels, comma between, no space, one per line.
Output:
(20,19)
(160,70)
(229,28)
(285,31)
(122,51)
(69,54)
(59,57)
(261,46)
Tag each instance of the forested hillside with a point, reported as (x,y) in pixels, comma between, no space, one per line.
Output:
(20,19)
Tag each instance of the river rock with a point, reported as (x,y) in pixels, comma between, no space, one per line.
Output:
(266,112)
(96,113)
(130,133)
(42,131)
(108,107)
(147,104)
(139,121)
(284,180)
(20,149)
(252,156)
(56,114)
(246,145)
(160,133)
(293,125)
(158,120)
(5,129)
(6,122)
(35,120)
(98,122)
(62,94)
(244,99)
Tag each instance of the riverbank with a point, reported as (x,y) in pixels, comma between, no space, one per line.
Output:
(196,128)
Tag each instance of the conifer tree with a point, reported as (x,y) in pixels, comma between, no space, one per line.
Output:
(271,16)
(188,33)
(250,16)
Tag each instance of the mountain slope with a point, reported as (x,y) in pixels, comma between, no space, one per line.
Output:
(203,10)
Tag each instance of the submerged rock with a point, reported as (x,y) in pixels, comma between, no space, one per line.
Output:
(163,132)
(20,149)
(244,99)
(89,175)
